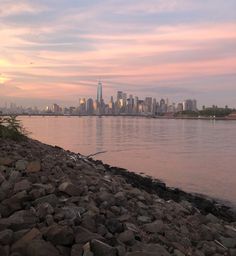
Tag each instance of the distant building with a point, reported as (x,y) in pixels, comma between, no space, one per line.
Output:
(89,107)
(190,105)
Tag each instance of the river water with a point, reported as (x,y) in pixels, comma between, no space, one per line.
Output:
(194,155)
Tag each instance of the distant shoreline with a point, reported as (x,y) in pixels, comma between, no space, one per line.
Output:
(127,115)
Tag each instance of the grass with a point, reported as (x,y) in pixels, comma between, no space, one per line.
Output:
(11,128)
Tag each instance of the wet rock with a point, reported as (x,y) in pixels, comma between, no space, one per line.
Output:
(60,235)
(6,236)
(41,248)
(100,249)
(33,166)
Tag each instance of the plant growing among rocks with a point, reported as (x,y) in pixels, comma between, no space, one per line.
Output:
(11,128)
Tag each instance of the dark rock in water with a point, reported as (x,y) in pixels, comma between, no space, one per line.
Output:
(101,249)
(60,235)
(41,248)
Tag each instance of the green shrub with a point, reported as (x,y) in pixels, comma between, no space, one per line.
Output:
(11,128)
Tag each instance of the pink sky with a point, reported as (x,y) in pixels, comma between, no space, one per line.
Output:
(177,49)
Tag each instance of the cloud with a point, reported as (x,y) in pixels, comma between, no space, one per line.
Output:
(61,48)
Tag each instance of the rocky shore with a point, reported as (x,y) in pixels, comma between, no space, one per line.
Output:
(55,202)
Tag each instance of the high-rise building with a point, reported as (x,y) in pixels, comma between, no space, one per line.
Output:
(89,106)
(190,105)
(99,93)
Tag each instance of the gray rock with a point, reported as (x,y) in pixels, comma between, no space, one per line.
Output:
(101,249)
(14,176)
(6,236)
(60,235)
(2,178)
(41,248)
(21,165)
(33,166)
(212,218)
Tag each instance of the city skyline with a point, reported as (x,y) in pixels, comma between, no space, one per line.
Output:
(57,50)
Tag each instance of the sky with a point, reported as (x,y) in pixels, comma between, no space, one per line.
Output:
(57,50)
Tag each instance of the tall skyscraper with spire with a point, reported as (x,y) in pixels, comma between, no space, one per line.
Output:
(99,93)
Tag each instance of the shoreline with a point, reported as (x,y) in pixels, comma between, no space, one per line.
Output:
(130,115)
(61,203)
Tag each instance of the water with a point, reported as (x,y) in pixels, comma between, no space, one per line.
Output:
(194,155)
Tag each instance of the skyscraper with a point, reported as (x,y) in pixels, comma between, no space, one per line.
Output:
(99,93)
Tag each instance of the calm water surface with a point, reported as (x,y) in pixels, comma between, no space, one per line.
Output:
(195,155)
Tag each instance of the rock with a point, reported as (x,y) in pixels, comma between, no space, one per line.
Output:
(178,253)
(21,219)
(6,161)
(14,203)
(21,165)
(60,235)
(101,249)
(83,236)
(154,227)
(21,244)
(51,199)
(34,166)
(127,237)
(22,185)
(14,176)
(70,189)
(41,248)
(114,225)
(77,250)
(2,178)
(44,209)
(6,236)
(144,219)
(228,242)
(105,196)
(212,218)
(4,251)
